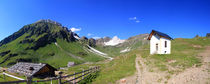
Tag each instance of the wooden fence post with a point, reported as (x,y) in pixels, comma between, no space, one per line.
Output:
(4,74)
(83,72)
(91,70)
(74,81)
(59,77)
(29,80)
(95,69)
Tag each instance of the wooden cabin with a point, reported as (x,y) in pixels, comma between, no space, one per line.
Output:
(39,70)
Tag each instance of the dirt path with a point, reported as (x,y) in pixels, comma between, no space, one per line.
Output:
(139,70)
(143,74)
(148,75)
(195,75)
(135,79)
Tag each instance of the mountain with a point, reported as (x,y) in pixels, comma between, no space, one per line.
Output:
(208,35)
(45,41)
(41,33)
(114,41)
(123,46)
(101,41)
(135,41)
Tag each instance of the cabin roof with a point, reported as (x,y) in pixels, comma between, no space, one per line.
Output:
(27,69)
(160,34)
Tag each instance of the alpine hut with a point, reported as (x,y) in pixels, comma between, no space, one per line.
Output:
(39,70)
(160,43)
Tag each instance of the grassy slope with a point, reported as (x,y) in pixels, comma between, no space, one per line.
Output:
(121,66)
(59,59)
(183,52)
(124,65)
(76,48)
(115,50)
(110,50)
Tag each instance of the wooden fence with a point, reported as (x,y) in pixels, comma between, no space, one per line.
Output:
(74,78)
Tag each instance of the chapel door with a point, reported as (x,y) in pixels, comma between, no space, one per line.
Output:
(157,47)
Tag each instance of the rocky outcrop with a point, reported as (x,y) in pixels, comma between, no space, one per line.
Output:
(27,40)
(48,28)
(102,40)
(41,33)
(132,41)
(83,40)
(8,57)
(46,39)
(14,35)
(4,53)
(208,35)
(92,42)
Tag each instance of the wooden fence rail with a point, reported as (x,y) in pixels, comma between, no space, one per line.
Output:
(77,77)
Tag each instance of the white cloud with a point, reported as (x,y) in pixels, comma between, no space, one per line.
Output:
(96,37)
(137,21)
(73,29)
(134,19)
(89,34)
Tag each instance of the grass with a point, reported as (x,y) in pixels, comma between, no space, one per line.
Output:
(110,50)
(121,66)
(115,50)
(183,52)
(6,78)
(50,54)
(76,48)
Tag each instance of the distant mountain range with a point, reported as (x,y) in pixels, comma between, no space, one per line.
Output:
(49,42)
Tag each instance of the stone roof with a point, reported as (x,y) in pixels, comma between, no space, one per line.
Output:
(27,69)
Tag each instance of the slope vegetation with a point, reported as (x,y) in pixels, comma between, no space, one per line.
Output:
(36,43)
(184,65)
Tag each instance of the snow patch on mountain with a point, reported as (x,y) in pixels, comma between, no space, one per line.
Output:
(56,44)
(76,37)
(114,41)
(97,51)
(93,50)
(125,50)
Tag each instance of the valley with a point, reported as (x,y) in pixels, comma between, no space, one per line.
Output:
(125,61)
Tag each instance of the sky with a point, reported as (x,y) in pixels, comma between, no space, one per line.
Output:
(99,18)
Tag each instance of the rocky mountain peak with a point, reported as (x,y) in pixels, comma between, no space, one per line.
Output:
(101,41)
(114,41)
(41,33)
(49,21)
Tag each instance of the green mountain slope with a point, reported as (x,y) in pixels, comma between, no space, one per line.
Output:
(131,43)
(45,41)
(185,52)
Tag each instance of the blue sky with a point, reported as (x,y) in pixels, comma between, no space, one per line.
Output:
(99,18)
